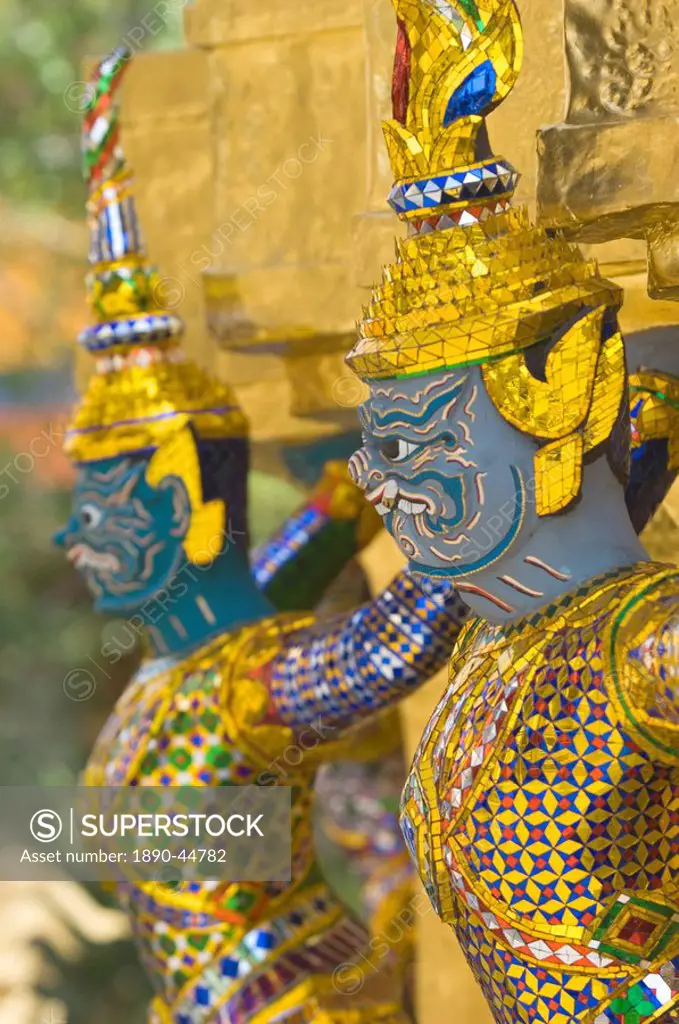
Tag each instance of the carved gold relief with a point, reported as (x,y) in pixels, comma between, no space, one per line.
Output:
(606,172)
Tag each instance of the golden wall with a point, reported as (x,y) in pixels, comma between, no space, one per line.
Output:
(262,180)
(607,170)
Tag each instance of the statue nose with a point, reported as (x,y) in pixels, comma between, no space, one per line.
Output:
(59,538)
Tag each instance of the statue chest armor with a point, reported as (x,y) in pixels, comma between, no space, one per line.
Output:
(175,726)
(543,833)
(168,729)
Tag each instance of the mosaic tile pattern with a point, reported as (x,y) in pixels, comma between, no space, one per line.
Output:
(655,413)
(356,811)
(542,809)
(235,952)
(489,180)
(385,648)
(230,952)
(543,806)
(222,952)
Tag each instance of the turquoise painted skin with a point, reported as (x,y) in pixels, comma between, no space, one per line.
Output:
(432,467)
(454,483)
(437,437)
(126,538)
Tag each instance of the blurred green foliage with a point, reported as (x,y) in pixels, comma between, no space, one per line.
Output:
(47,629)
(47,626)
(271,501)
(105,985)
(43,47)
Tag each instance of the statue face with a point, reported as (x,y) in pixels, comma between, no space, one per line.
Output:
(125,536)
(452,480)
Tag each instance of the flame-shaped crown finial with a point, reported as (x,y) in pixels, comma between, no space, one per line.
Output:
(474,281)
(455,61)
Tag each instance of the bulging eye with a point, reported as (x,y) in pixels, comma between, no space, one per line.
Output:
(397,450)
(90,516)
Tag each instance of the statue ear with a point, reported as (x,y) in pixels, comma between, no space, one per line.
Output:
(180,522)
(177,457)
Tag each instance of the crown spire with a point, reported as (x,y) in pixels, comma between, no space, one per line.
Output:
(143,384)
(102,155)
(123,288)
(455,61)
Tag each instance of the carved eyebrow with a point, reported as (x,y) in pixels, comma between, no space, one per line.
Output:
(388,421)
(122,495)
(364,417)
(110,489)
(391,394)
(108,483)
(91,496)
(110,501)
(108,476)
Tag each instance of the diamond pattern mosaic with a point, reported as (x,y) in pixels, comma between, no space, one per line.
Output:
(231,714)
(543,807)
(233,952)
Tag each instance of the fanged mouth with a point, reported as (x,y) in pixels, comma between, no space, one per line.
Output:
(84,557)
(387,497)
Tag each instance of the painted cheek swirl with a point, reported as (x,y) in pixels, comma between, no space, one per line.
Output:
(494,546)
(430,506)
(122,554)
(359,468)
(137,579)
(405,543)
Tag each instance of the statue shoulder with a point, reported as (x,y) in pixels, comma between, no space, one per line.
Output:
(641,656)
(247,660)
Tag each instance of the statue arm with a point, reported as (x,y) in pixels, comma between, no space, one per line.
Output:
(356,665)
(296,566)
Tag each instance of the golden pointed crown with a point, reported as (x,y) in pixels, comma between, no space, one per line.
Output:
(144,387)
(474,280)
